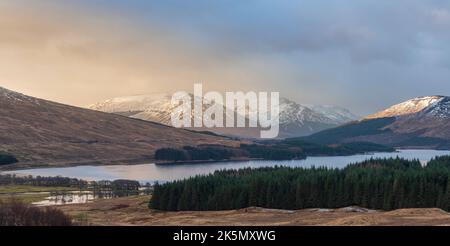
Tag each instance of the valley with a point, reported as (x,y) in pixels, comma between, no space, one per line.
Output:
(150,172)
(224,121)
(41,133)
(48,139)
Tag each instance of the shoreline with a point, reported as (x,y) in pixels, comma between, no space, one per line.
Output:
(167,163)
(28,165)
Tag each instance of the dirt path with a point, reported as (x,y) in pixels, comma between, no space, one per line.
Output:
(133,211)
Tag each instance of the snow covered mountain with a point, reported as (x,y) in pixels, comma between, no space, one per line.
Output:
(440,109)
(409,107)
(422,122)
(295,119)
(302,120)
(337,114)
(153,107)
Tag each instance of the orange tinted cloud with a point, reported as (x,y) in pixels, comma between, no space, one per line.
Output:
(79,57)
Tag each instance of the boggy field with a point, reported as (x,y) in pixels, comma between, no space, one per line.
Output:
(133,211)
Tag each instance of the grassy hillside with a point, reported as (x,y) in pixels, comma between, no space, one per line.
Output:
(355,129)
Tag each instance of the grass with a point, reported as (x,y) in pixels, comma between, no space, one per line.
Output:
(81,219)
(27,193)
(12,189)
(25,198)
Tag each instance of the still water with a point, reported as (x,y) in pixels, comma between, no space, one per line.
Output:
(151,172)
(68,197)
(85,196)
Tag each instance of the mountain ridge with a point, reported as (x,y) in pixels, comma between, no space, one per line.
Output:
(295,119)
(42,132)
(411,106)
(422,122)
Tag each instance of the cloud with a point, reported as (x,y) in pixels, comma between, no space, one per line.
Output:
(440,16)
(329,52)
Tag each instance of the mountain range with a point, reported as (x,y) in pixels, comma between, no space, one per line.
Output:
(41,132)
(422,122)
(295,119)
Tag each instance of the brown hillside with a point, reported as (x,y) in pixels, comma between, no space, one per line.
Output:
(41,132)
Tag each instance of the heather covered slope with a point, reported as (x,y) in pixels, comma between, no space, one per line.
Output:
(40,132)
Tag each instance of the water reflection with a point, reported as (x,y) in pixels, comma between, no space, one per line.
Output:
(62,198)
(77,197)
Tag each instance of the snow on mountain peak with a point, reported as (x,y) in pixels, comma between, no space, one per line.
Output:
(294,117)
(13,96)
(440,109)
(292,112)
(136,103)
(408,107)
(337,114)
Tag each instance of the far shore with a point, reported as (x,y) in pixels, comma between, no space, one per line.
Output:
(205,161)
(41,164)
(60,164)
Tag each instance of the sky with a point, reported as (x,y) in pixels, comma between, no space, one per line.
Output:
(364,55)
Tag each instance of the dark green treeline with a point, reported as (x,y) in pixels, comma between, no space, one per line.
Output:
(377,183)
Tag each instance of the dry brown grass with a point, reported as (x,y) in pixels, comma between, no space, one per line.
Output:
(133,211)
(44,133)
(17,213)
